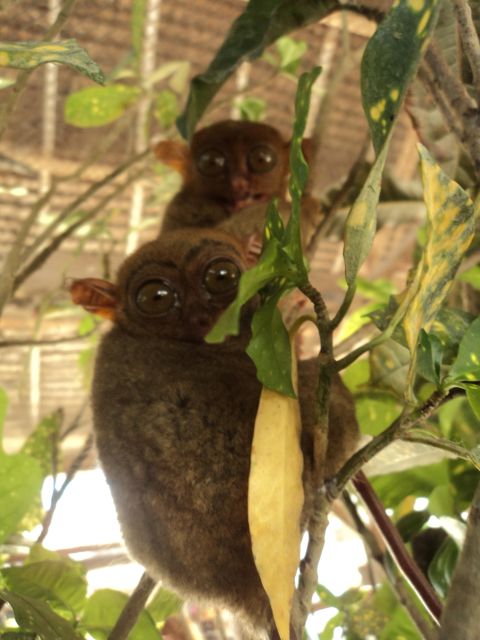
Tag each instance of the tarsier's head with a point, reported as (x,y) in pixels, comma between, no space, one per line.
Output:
(175,287)
(237,163)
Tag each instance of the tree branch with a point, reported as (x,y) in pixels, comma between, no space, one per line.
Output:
(133,608)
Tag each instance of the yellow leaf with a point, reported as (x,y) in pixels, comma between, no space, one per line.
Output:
(275,499)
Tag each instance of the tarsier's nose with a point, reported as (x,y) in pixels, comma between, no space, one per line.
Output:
(240,184)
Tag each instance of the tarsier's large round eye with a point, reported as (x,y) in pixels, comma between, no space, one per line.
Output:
(155,298)
(221,276)
(261,159)
(211,162)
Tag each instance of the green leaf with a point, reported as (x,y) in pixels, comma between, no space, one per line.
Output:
(418,482)
(98,106)
(102,611)
(390,60)
(3,409)
(21,479)
(291,53)
(251,108)
(60,583)
(429,357)
(166,108)
(262,22)
(375,412)
(441,568)
(28,55)
(327,598)
(164,604)
(356,375)
(269,347)
(472,276)
(467,363)
(473,396)
(34,615)
(450,231)
(441,502)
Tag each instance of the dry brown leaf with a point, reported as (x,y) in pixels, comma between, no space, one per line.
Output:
(275,499)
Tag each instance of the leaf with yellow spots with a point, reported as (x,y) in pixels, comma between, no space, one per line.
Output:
(450,230)
(466,366)
(28,55)
(98,106)
(390,61)
(275,499)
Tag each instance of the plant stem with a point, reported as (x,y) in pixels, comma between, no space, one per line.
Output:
(133,608)
(442,443)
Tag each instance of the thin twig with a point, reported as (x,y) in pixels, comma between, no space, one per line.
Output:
(453,121)
(441,443)
(22,78)
(133,608)
(76,422)
(448,81)
(40,259)
(79,200)
(470,42)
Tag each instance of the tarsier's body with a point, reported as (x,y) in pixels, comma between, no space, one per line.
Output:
(230,171)
(174,420)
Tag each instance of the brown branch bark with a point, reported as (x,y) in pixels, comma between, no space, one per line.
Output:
(133,608)
(462,610)
(397,548)
(470,41)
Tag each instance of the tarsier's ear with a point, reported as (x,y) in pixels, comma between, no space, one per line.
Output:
(174,154)
(96,296)
(252,245)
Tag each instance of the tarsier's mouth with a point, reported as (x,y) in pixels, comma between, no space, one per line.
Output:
(246,200)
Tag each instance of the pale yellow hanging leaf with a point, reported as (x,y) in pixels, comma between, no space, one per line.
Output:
(275,499)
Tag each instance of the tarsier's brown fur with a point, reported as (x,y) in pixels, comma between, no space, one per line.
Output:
(174,418)
(235,196)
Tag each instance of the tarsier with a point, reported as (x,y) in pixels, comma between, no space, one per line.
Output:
(230,171)
(174,417)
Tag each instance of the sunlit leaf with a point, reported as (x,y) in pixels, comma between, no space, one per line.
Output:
(421,481)
(449,233)
(28,55)
(472,276)
(35,615)
(60,583)
(164,604)
(375,412)
(467,363)
(251,108)
(102,611)
(290,52)
(262,22)
(20,483)
(166,108)
(275,500)
(473,395)
(138,22)
(3,409)
(390,60)
(41,442)
(98,106)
